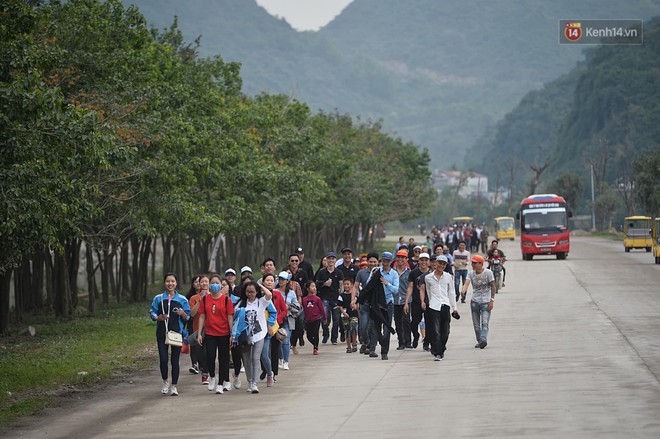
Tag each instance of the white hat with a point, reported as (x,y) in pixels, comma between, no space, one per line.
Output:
(284,275)
(441,258)
(230,271)
(424,255)
(246,269)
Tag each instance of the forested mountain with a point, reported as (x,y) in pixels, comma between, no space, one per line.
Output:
(437,72)
(605,113)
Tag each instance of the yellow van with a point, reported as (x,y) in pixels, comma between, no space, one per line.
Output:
(505,228)
(637,233)
(656,240)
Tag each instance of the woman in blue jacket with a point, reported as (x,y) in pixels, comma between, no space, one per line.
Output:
(170,310)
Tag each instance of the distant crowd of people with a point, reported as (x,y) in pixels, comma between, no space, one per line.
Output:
(236,324)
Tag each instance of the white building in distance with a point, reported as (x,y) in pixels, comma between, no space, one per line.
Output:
(474,184)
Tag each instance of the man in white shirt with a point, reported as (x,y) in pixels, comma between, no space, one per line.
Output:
(442,305)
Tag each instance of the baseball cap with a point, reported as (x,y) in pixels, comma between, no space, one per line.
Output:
(346,249)
(402,253)
(417,247)
(331,255)
(478,258)
(230,271)
(299,250)
(284,275)
(424,255)
(246,269)
(387,255)
(441,258)
(363,264)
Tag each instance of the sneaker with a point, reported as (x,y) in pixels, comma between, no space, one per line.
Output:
(400,347)
(295,350)
(476,346)
(324,340)
(280,363)
(193,369)
(205,379)
(366,351)
(362,349)
(285,365)
(483,344)
(237,382)
(349,350)
(334,342)
(383,357)
(426,348)
(243,369)
(218,390)
(354,348)
(226,386)
(415,343)
(437,358)
(270,381)
(262,376)
(249,387)
(342,337)
(211,384)
(166,388)
(254,389)
(409,346)
(316,351)
(373,354)
(174,391)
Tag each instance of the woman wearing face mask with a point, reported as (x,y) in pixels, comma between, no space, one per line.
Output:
(250,316)
(171,311)
(198,352)
(217,318)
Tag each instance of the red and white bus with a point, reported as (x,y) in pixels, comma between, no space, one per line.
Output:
(544,226)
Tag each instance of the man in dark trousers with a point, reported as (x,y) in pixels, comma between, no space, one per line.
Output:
(329,284)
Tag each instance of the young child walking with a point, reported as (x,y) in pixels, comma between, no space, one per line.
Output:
(314,315)
(349,317)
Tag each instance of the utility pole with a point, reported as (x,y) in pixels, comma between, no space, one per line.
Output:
(593,201)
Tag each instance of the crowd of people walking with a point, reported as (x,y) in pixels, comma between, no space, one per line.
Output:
(237,327)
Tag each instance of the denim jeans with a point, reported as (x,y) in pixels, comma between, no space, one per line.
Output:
(286,343)
(480,319)
(331,310)
(265,356)
(364,325)
(458,275)
(251,361)
(381,333)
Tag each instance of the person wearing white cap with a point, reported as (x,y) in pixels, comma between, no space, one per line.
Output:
(442,305)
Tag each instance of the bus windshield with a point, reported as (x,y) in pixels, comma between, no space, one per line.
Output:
(544,220)
(505,224)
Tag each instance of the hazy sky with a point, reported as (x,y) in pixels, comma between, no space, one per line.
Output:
(305,14)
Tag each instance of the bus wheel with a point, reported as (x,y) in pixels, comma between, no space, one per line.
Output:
(627,249)
(648,249)
(561,255)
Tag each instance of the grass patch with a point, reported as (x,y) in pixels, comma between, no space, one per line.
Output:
(608,235)
(69,355)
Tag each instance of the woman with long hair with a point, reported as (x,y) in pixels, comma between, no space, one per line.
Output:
(170,310)
(285,288)
(250,317)
(195,288)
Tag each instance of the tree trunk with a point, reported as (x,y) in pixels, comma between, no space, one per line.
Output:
(91,280)
(5,282)
(62,305)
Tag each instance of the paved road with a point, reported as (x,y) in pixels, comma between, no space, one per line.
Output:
(573,352)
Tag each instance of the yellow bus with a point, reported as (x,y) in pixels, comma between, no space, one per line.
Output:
(637,233)
(460,220)
(505,228)
(656,240)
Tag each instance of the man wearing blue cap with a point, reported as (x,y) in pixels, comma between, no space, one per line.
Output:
(328,284)
(390,280)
